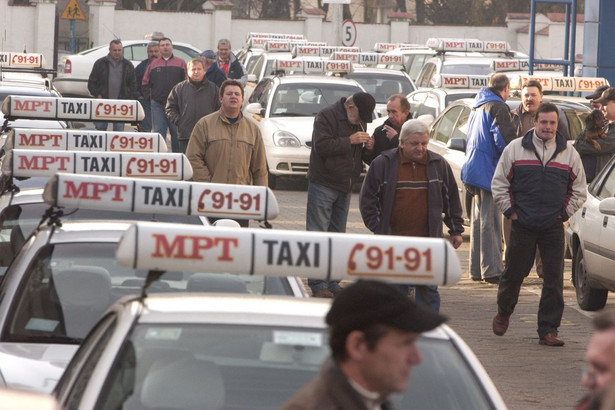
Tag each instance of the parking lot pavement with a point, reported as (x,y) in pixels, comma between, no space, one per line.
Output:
(528,376)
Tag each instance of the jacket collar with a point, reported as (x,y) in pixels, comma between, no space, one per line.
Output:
(560,141)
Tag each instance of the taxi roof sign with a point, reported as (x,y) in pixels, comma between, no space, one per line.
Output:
(22,60)
(369,58)
(306,50)
(160,196)
(316,255)
(312,66)
(59,108)
(462,44)
(460,81)
(42,163)
(85,140)
(560,84)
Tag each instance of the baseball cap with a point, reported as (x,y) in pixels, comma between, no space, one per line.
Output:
(209,54)
(370,302)
(365,103)
(596,94)
(607,95)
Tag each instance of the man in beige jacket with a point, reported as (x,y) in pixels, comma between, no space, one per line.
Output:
(225,147)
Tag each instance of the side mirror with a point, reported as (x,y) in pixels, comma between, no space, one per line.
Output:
(607,206)
(458,144)
(252,78)
(254,108)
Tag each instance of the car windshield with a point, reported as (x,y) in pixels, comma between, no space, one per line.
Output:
(17,222)
(382,85)
(256,367)
(307,99)
(470,69)
(68,286)
(454,97)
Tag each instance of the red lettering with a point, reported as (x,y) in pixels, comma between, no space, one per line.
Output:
(81,191)
(38,140)
(177,248)
(32,105)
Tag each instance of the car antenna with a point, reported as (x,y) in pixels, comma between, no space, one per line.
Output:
(152,276)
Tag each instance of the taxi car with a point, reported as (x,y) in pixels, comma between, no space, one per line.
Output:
(414,58)
(590,239)
(283,108)
(229,352)
(255,46)
(74,70)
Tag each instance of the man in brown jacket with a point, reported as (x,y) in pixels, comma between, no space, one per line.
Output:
(373,329)
(225,147)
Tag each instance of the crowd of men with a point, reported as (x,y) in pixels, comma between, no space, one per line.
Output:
(525,179)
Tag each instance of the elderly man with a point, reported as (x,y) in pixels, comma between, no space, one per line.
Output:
(373,330)
(407,191)
(212,71)
(386,136)
(539,183)
(228,63)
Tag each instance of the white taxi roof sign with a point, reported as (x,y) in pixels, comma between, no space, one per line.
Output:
(41,163)
(279,36)
(312,66)
(503,64)
(462,44)
(560,84)
(316,255)
(161,196)
(369,58)
(277,45)
(59,108)
(22,60)
(84,140)
(308,49)
(461,81)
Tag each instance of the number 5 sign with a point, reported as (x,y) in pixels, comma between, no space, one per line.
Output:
(349,33)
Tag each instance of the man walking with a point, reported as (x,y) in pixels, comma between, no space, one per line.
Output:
(190,101)
(228,63)
(160,77)
(212,71)
(225,147)
(112,77)
(335,161)
(153,52)
(490,128)
(406,192)
(539,183)
(386,136)
(373,330)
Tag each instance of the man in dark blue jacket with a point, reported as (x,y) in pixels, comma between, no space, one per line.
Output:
(212,71)
(490,129)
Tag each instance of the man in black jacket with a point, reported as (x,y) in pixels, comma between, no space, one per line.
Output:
(335,161)
(112,77)
(386,136)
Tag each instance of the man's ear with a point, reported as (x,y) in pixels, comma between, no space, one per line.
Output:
(356,346)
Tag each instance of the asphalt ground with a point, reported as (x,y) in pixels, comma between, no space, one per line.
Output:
(528,375)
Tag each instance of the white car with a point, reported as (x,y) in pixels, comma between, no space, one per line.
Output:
(74,71)
(283,108)
(591,240)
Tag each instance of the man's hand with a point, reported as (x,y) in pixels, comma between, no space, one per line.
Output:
(369,145)
(359,137)
(390,131)
(456,241)
(513,216)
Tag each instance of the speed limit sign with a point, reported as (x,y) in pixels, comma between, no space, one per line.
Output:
(349,33)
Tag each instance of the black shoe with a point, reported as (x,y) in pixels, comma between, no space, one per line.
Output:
(476,279)
(493,280)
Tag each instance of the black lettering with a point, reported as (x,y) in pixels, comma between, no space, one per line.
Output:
(157,197)
(285,254)
(270,251)
(147,189)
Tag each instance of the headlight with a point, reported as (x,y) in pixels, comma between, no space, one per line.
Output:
(286,139)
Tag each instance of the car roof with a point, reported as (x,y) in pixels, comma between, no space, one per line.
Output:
(302,78)
(130,43)
(88,231)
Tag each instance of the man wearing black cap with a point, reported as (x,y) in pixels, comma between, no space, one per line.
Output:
(335,161)
(607,145)
(212,72)
(593,97)
(373,330)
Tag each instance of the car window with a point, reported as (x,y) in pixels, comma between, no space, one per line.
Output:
(461,130)
(257,94)
(415,64)
(575,121)
(473,69)
(383,85)
(182,52)
(426,73)
(444,127)
(607,190)
(430,106)
(415,101)
(136,52)
(307,99)
(257,67)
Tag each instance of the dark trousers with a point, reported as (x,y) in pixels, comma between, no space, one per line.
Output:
(520,258)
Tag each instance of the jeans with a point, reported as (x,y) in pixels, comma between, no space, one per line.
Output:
(486,237)
(327,211)
(146,124)
(427,296)
(102,126)
(520,258)
(161,123)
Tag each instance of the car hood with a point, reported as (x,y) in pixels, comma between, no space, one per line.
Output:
(37,367)
(301,127)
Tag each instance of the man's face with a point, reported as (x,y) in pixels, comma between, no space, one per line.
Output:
(153,52)
(387,368)
(414,148)
(115,51)
(609,109)
(352,112)
(196,72)
(231,100)
(596,105)
(224,52)
(531,98)
(546,125)
(395,113)
(600,357)
(166,48)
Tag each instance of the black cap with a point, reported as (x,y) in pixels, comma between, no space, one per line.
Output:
(369,302)
(607,95)
(598,93)
(209,54)
(365,103)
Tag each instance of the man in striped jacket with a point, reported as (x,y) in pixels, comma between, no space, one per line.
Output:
(538,183)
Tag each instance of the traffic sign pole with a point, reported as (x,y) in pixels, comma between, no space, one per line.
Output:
(72,36)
